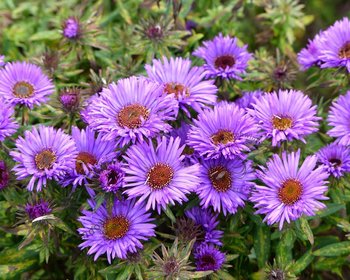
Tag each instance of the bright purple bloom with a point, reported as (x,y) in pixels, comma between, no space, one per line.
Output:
(130,110)
(208,222)
(8,124)
(225,184)
(157,174)
(4,175)
(37,210)
(225,131)
(24,83)
(248,99)
(43,154)
(116,231)
(224,58)
(207,257)
(71,28)
(335,158)
(286,115)
(112,178)
(310,55)
(290,191)
(183,82)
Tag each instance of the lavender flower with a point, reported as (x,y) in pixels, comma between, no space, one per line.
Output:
(71,28)
(36,210)
(248,99)
(70,99)
(112,178)
(8,125)
(207,257)
(310,55)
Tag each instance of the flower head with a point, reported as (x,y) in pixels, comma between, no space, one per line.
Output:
(248,99)
(71,28)
(207,257)
(310,55)
(8,125)
(36,210)
(4,175)
(69,99)
(112,178)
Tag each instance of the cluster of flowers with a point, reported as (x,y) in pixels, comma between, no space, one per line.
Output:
(142,142)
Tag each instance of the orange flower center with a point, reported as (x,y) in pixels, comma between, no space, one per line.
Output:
(220,177)
(224,61)
(131,116)
(282,123)
(159,176)
(86,159)
(222,137)
(45,159)
(290,192)
(23,90)
(116,227)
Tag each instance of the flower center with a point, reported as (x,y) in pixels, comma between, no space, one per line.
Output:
(208,260)
(171,266)
(131,116)
(45,159)
(23,90)
(86,159)
(335,162)
(112,177)
(222,137)
(220,177)
(154,32)
(224,61)
(116,227)
(290,192)
(344,51)
(177,89)
(282,123)
(160,176)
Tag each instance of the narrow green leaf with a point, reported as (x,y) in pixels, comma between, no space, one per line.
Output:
(302,262)
(334,250)
(284,248)
(305,227)
(262,239)
(170,214)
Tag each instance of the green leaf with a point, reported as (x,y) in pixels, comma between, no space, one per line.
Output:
(284,248)
(331,208)
(47,35)
(302,262)
(334,250)
(170,214)
(262,237)
(305,228)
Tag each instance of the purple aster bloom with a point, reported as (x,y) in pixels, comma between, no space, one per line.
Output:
(158,174)
(70,99)
(248,99)
(92,153)
(335,45)
(286,115)
(112,178)
(338,117)
(310,55)
(44,153)
(116,231)
(208,222)
(85,112)
(37,210)
(224,58)
(71,28)
(2,60)
(24,83)
(225,131)
(8,125)
(225,184)
(183,82)
(335,158)
(130,110)
(207,257)
(4,175)
(290,191)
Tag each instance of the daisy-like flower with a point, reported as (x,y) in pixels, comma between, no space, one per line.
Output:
(184,82)
(338,117)
(310,55)
(8,125)
(130,110)
(112,178)
(158,174)
(92,153)
(207,257)
(336,159)
(116,231)
(208,223)
(24,83)
(225,131)
(224,58)
(36,210)
(4,175)
(248,99)
(43,154)
(290,191)
(284,116)
(335,45)
(225,184)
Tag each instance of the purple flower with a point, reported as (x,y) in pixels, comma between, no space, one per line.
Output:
(338,117)
(310,55)
(225,131)
(112,178)
(225,184)
(71,28)
(44,153)
(131,110)
(208,223)
(207,257)
(8,124)
(115,231)
(335,158)
(224,58)
(92,153)
(284,116)
(24,83)
(4,175)
(183,82)
(38,209)
(248,99)
(70,99)
(290,191)
(157,174)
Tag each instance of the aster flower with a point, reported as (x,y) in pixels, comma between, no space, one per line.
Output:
(158,174)
(24,83)
(310,55)
(43,154)
(36,210)
(131,110)
(8,125)
(184,82)
(92,153)
(112,178)
(248,98)
(224,58)
(335,158)
(225,184)
(69,99)
(71,28)
(338,117)
(284,116)
(208,223)
(207,257)
(116,232)
(224,131)
(4,175)
(290,191)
